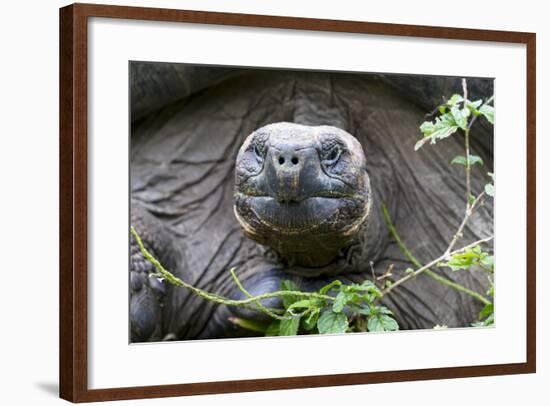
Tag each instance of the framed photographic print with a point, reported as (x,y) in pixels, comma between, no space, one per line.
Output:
(256,202)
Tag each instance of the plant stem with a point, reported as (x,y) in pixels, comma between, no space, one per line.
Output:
(260,306)
(467,215)
(457,286)
(467,147)
(468,168)
(426,269)
(449,283)
(174,280)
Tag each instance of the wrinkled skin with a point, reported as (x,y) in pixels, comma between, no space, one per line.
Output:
(303,191)
(187,174)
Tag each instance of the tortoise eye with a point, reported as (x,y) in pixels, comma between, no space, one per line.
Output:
(332,155)
(259,151)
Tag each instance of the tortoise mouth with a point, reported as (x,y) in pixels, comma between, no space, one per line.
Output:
(295,217)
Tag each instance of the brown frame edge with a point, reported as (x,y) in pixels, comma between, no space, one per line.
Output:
(73,201)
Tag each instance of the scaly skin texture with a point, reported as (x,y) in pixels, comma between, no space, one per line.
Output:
(185,162)
(303,191)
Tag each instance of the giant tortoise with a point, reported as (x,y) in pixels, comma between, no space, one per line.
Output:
(282,175)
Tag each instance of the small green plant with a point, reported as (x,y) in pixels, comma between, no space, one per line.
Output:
(473,256)
(335,308)
(460,113)
(341,308)
(352,310)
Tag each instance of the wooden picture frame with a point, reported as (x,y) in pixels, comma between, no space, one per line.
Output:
(73,199)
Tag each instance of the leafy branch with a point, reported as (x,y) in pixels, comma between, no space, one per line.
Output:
(460,113)
(326,314)
(410,273)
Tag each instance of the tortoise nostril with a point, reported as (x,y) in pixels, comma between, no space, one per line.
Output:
(294,160)
(281,160)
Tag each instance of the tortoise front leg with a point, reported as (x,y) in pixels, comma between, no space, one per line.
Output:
(147,292)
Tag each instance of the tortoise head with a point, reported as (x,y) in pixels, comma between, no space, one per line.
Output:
(303,191)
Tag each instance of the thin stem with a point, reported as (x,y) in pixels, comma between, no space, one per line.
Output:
(260,306)
(425,269)
(435,262)
(467,147)
(464,90)
(467,215)
(397,238)
(174,280)
(468,167)
(457,286)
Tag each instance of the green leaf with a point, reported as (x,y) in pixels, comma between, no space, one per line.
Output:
(326,288)
(460,116)
(409,270)
(368,289)
(443,127)
(462,260)
(465,260)
(471,199)
(340,301)
(489,321)
(384,310)
(310,322)
(427,128)
(490,189)
(488,262)
(365,310)
(289,327)
(332,323)
(461,160)
(369,286)
(389,323)
(488,314)
(473,107)
(486,311)
(382,322)
(488,112)
(454,100)
(273,329)
(474,159)
(288,300)
(474,104)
